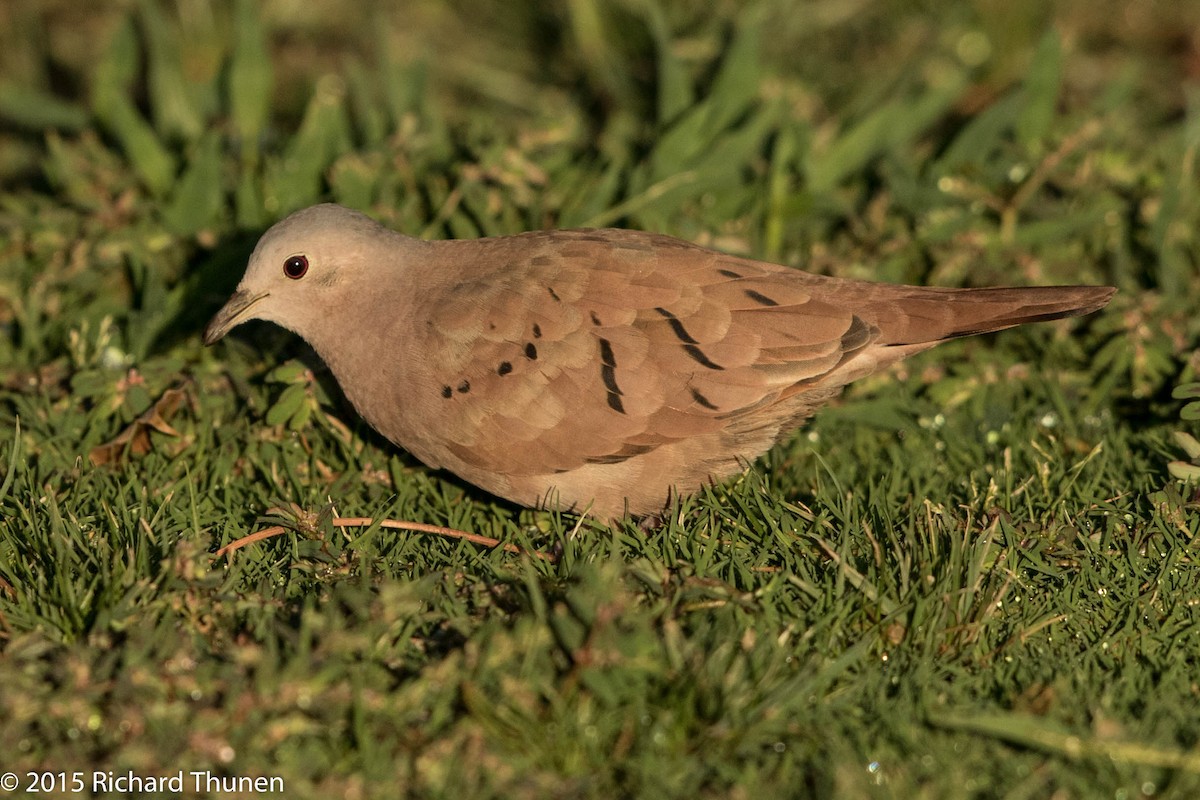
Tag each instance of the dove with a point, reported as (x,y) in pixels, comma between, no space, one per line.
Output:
(598,371)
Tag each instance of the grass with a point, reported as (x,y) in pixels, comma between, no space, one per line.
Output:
(974,576)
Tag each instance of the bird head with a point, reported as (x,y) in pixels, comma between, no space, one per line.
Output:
(302,269)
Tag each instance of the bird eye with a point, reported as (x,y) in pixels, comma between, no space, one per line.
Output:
(295,267)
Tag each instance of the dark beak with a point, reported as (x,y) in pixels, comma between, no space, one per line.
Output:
(232,314)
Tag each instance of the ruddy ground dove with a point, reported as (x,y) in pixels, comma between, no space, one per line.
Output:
(595,370)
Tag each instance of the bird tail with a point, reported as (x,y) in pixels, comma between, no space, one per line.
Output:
(915,316)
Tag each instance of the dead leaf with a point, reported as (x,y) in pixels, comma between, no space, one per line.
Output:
(135,439)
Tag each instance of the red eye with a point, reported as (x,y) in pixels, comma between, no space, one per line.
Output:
(295,267)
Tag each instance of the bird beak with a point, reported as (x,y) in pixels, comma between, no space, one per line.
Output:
(232,314)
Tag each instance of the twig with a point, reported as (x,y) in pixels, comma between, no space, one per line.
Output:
(257,536)
(394,524)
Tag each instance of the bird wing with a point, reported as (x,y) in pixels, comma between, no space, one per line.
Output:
(579,347)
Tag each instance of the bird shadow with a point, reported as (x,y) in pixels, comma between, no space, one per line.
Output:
(212,278)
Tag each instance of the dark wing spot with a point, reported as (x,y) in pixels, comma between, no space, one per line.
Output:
(698,355)
(728,273)
(447,391)
(760,298)
(689,344)
(491,326)
(608,375)
(504,368)
(530,351)
(464,387)
(595,318)
(677,326)
(537,331)
(704,401)
(553,294)
(607,358)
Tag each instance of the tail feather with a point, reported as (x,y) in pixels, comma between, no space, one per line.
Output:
(918,316)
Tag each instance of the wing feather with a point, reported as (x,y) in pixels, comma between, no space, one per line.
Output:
(585,349)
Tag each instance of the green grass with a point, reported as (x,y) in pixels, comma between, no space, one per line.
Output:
(973,576)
